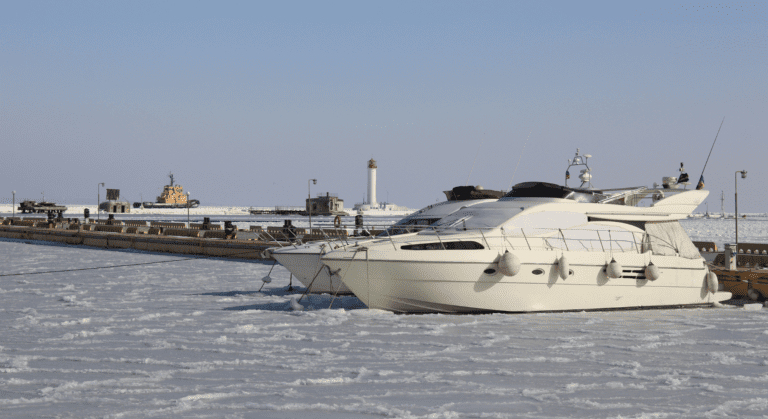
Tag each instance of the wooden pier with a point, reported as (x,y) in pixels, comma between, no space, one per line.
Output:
(212,243)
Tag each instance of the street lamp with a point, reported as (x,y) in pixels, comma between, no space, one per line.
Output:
(309,202)
(14,204)
(736,198)
(188,224)
(98,198)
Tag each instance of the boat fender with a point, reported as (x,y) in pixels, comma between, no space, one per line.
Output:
(712,282)
(614,269)
(337,222)
(509,264)
(652,272)
(564,267)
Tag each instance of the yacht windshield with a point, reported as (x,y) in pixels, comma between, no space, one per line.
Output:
(474,219)
(409,226)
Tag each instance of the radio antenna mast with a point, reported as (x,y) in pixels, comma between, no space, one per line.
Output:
(518,160)
(701,178)
(473,164)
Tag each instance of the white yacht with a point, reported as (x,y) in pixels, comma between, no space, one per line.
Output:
(542,247)
(303,260)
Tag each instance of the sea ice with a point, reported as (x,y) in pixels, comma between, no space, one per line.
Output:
(195,338)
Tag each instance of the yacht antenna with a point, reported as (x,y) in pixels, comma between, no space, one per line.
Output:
(701,179)
(586,174)
(473,164)
(518,160)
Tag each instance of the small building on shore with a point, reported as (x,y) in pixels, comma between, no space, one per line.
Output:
(113,204)
(328,204)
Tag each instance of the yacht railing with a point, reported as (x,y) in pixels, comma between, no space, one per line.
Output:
(541,239)
(641,197)
(545,239)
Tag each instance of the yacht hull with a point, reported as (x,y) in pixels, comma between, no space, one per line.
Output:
(305,265)
(441,282)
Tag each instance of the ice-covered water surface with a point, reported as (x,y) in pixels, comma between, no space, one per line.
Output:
(753,229)
(194,338)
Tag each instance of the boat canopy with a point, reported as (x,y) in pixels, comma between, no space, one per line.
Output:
(538,190)
(668,238)
(544,190)
(464,193)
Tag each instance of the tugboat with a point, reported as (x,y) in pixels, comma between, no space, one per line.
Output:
(172,197)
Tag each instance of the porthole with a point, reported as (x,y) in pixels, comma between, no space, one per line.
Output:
(538,271)
(570,272)
(489,271)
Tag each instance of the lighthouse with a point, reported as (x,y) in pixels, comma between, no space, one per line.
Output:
(371,207)
(372,183)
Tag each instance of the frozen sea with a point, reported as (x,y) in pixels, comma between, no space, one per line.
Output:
(177,337)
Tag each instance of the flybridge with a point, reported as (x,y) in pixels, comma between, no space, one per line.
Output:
(586,193)
(631,196)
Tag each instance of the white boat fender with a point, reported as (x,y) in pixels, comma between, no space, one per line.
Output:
(652,272)
(564,267)
(614,269)
(509,264)
(712,282)
(753,294)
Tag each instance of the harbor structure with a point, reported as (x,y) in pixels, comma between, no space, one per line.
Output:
(328,204)
(113,204)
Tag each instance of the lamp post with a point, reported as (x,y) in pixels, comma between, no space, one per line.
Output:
(14,204)
(98,198)
(188,224)
(736,198)
(309,202)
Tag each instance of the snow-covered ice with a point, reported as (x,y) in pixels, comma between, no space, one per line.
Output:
(753,229)
(194,338)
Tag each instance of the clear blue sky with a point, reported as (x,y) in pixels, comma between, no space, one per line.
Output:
(245,101)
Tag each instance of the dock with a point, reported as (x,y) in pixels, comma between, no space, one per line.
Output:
(202,239)
(165,239)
